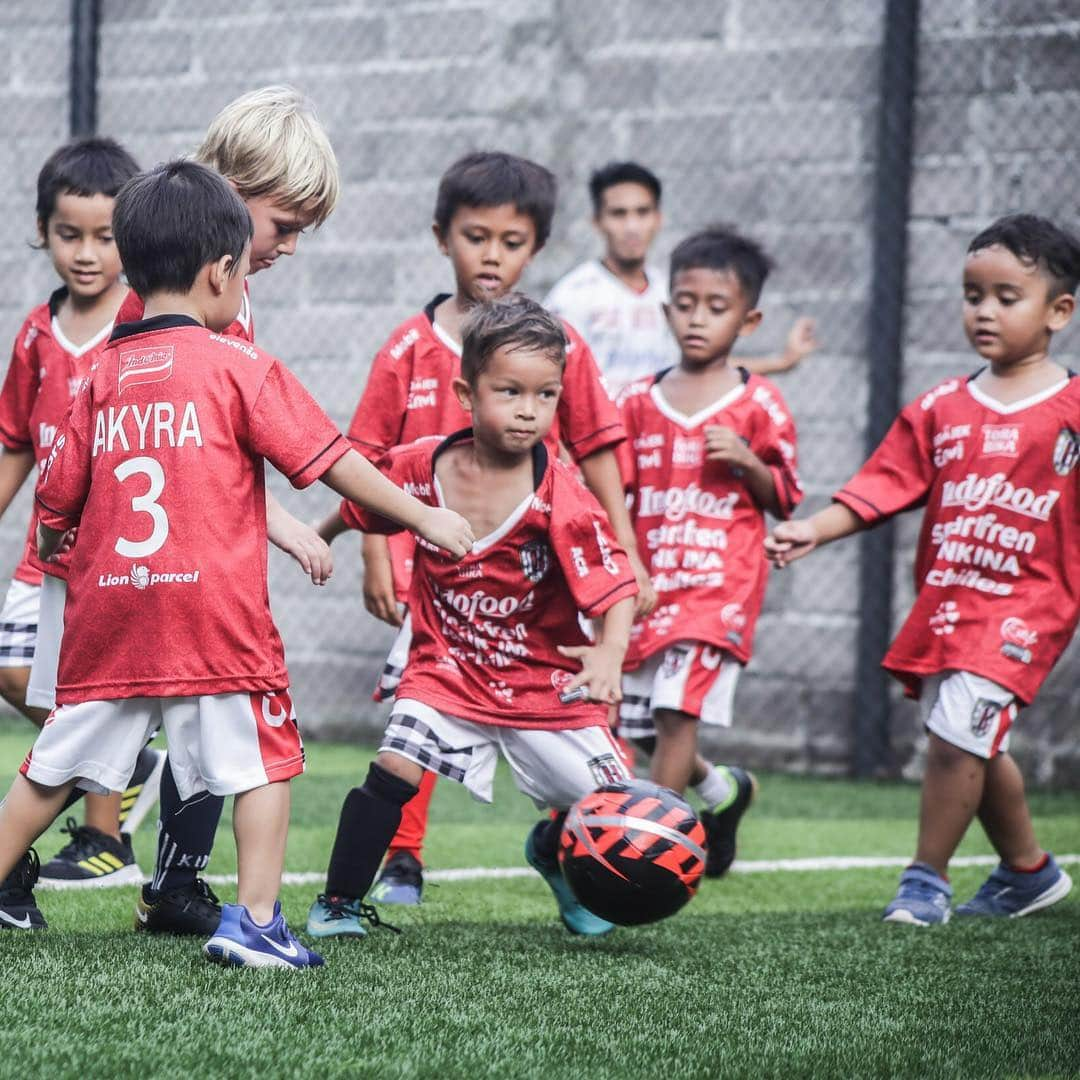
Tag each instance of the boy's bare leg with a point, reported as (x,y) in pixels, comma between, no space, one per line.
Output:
(103,813)
(1004,815)
(952,791)
(676,749)
(401,767)
(261,825)
(25,814)
(13,684)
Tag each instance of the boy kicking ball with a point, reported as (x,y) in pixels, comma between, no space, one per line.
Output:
(993,457)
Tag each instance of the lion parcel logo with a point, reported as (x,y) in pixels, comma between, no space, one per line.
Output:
(141,578)
(140,366)
(1017,639)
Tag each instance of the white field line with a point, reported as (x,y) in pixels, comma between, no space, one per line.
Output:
(750,866)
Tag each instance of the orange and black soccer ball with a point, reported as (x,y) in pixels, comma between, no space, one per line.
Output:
(632,852)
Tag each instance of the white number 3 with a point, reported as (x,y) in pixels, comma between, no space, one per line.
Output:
(146,504)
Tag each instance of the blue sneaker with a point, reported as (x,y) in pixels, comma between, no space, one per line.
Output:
(576,919)
(242,942)
(923,898)
(401,881)
(335,916)
(1012,893)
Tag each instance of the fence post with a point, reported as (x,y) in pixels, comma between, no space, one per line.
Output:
(885,348)
(85,16)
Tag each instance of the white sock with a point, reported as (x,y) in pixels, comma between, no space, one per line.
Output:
(717,787)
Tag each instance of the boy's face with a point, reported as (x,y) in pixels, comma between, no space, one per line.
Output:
(79,237)
(277,230)
(229,296)
(707,313)
(514,399)
(489,248)
(629,220)
(1008,312)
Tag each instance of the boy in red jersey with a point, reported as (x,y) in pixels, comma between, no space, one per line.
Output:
(159,465)
(496,643)
(993,457)
(710,448)
(493,213)
(54,349)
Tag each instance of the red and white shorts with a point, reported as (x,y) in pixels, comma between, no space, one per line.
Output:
(554,768)
(687,677)
(969,711)
(221,743)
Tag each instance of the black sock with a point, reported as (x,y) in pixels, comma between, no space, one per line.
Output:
(185,834)
(546,836)
(370,816)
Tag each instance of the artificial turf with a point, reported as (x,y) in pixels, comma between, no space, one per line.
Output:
(763,974)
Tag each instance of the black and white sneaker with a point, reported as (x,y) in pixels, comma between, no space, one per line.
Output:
(18,909)
(188,909)
(91,859)
(723,819)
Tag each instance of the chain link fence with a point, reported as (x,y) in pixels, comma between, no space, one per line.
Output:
(773,115)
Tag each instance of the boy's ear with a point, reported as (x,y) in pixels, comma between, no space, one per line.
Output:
(751,321)
(42,232)
(218,273)
(440,239)
(1061,311)
(463,392)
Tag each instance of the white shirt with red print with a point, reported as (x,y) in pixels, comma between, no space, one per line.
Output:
(997,571)
(699,529)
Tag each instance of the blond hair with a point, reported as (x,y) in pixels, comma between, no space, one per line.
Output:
(269,142)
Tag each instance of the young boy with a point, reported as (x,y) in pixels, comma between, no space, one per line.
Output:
(271,147)
(495,637)
(710,449)
(617,301)
(159,466)
(55,348)
(493,213)
(993,457)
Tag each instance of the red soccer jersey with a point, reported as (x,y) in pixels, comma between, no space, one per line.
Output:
(408,397)
(485,630)
(698,527)
(997,571)
(45,372)
(243,326)
(160,463)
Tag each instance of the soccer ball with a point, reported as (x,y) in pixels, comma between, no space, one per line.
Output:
(632,852)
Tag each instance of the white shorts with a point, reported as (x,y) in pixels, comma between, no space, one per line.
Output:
(19,624)
(221,743)
(554,768)
(969,711)
(687,677)
(41,690)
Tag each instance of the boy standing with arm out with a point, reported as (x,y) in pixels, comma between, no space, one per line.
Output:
(710,448)
(160,467)
(993,458)
(496,643)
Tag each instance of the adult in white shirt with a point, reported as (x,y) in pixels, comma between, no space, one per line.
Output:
(617,302)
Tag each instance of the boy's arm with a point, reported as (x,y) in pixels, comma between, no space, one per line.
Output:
(300,541)
(801,342)
(50,541)
(380,597)
(601,664)
(723,444)
(791,540)
(15,467)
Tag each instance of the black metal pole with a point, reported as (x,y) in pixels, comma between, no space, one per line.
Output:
(891,191)
(85,16)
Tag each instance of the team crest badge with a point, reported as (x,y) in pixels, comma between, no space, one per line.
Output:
(1066,451)
(983,716)
(674,659)
(535,560)
(606,769)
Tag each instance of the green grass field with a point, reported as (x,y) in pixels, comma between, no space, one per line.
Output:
(763,974)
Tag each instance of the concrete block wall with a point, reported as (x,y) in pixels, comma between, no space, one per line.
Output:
(759,113)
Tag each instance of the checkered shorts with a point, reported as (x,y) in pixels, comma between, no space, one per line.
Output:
(19,624)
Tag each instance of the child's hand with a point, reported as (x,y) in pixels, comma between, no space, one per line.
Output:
(601,671)
(790,540)
(645,600)
(306,546)
(724,444)
(331,527)
(801,342)
(447,530)
(67,542)
(379,596)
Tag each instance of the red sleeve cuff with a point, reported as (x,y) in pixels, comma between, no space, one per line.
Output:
(322,461)
(54,519)
(859,506)
(620,591)
(607,438)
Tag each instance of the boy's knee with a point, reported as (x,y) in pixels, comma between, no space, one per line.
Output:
(393,778)
(13,682)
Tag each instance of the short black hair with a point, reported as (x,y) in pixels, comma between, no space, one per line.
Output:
(622,172)
(87,167)
(492,178)
(720,247)
(173,220)
(1037,241)
(514,320)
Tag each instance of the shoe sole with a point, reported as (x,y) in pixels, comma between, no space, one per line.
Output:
(316,932)
(127,875)
(404,896)
(1058,891)
(147,798)
(905,917)
(232,954)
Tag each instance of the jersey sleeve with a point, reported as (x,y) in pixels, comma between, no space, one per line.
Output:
(289,428)
(624,452)
(399,467)
(898,474)
(376,424)
(64,483)
(595,566)
(588,419)
(20,390)
(774,442)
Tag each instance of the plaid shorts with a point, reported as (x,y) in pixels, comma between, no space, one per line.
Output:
(19,624)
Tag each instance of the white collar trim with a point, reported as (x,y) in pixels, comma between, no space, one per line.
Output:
(86,346)
(698,418)
(984,398)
